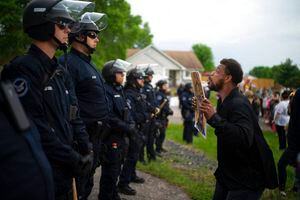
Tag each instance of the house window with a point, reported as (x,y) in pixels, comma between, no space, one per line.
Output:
(187,73)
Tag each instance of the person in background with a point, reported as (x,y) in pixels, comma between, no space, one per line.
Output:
(289,156)
(281,118)
(188,113)
(161,97)
(179,92)
(140,114)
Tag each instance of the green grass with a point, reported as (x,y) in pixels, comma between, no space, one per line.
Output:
(199,184)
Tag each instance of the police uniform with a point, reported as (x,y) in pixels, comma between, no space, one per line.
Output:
(45,90)
(93,104)
(187,113)
(114,143)
(140,115)
(150,128)
(25,171)
(162,118)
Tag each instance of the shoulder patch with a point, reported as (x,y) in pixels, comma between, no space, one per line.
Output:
(21,86)
(159,97)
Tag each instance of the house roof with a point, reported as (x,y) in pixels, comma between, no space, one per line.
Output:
(186,58)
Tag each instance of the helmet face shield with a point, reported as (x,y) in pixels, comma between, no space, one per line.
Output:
(74,8)
(66,12)
(121,65)
(98,20)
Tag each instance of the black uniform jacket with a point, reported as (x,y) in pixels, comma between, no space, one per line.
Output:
(187,110)
(244,158)
(89,87)
(166,110)
(44,88)
(120,117)
(25,171)
(139,105)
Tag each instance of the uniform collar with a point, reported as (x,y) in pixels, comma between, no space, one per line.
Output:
(81,55)
(42,57)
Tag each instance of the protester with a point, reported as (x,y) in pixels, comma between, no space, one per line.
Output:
(245,162)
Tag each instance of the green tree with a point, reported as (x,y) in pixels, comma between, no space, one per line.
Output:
(205,55)
(262,72)
(124,30)
(12,39)
(287,74)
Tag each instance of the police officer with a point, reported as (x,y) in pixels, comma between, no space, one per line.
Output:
(149,128)
(46,92)
(89,87)
(25,171)
(162,99)
(113,73)
(187,113)
(133,91)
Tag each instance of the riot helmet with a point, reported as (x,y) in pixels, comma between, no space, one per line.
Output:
(112,67)
(160,83)
(133,75)
(149,71)
(188,86)
(40,17)
(89,22)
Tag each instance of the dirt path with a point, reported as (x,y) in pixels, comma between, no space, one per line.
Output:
(153,189)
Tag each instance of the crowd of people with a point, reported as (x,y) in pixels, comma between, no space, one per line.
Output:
(60,119)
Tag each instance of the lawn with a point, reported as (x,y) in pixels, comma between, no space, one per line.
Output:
(199,184)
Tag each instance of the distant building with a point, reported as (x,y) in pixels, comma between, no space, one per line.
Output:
(174,66)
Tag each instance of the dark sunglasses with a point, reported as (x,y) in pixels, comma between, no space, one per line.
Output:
(63,25)
(92,35)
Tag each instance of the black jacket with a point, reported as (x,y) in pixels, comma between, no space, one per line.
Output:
(89,87)
(244,158)
(187,110)
(47,94)
(293,134)
(25,171)
(166,110)
(120,116)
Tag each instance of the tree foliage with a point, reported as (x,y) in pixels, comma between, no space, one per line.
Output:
(262,72)
(124,30)
(286,73)
(205,55)
(12,39)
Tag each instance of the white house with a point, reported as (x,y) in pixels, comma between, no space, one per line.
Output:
(175,66)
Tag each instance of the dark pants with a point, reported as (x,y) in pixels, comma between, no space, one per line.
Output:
(131,159)
(150,142)
(62,183)
(222,193)
(111,167)
(85,183)
(287,158)
(145,130)
(188,131)
(160,139)
(281,136)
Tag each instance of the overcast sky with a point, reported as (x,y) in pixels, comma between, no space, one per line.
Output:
(255,32)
